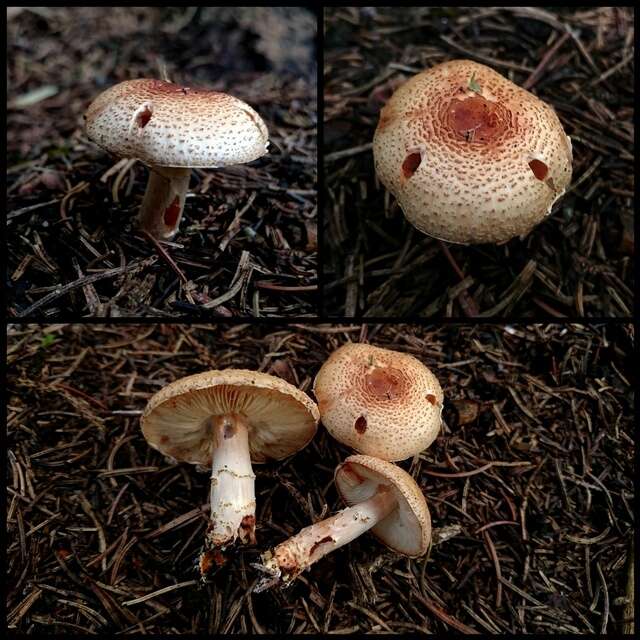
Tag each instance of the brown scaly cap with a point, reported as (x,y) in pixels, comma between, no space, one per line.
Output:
(379,402)
(175,126)
(470,156)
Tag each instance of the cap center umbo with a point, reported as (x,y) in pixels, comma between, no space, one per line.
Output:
(474,119)
(384,383)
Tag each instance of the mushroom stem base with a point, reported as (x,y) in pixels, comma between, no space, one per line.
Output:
(163,203)
(232,496)
(292,557)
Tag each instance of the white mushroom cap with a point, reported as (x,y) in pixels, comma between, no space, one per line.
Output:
(407,529)
(379,402)
(470,156)
(281,418)
(164,124)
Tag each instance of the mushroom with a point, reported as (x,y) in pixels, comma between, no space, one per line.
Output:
(470,156)
(226,420)
(173,129)
(380,496)
(379,402)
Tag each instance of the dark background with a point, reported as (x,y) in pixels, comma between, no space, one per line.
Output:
(579,261)
(65,225)
(530,486)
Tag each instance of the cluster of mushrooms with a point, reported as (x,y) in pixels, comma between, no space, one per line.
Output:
(383,404)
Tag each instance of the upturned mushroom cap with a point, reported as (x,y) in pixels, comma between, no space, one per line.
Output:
(407,529)
(175,126)
(470,156)
(281,418)
(379,402)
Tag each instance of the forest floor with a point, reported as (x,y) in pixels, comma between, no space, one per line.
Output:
(529,484)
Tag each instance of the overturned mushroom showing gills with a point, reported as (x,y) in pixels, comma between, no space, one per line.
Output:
(173,129)
(381,497)
(225,420)
(379,402)
(470,156)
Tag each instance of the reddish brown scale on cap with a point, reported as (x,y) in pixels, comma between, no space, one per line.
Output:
(411,164)
(540,169)
(143,117)
(490,152)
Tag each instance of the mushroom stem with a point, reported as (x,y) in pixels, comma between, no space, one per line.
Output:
(163,202)
(233,499)
(292,557)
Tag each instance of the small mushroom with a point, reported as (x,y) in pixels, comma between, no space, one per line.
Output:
(225,420)
(173,129)
(470,156)
(379,402)
(381,497)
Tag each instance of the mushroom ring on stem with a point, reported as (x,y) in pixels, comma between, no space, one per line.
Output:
(173,129)
(470,156)
(381,497)
(379,402)
(226,420)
